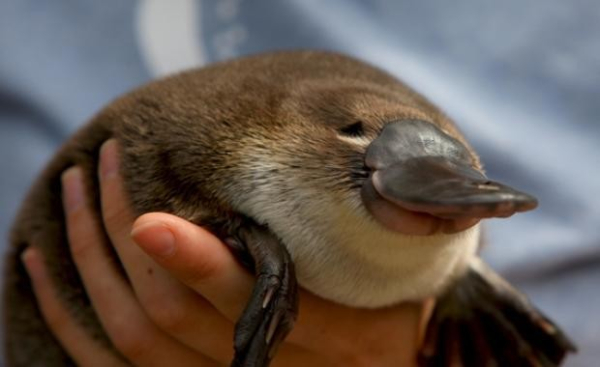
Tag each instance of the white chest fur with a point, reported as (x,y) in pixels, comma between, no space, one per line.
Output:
(365,265)
(343,255)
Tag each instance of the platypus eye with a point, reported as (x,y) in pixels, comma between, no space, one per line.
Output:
(354,130)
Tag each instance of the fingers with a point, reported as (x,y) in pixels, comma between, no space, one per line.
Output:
(123,319)
(174,308)
(116,215)
(200,260)
(78,344)
(197,258)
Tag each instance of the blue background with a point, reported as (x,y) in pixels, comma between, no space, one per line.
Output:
(521,79)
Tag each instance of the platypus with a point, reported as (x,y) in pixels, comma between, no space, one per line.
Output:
(318,171)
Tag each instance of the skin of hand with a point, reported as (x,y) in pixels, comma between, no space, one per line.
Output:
(185,291)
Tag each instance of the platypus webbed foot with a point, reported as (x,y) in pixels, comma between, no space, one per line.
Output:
(483,321)
(271,311)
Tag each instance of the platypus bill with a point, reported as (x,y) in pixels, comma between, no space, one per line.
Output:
(316,170)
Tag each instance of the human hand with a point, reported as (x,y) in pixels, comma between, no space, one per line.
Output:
(179,303)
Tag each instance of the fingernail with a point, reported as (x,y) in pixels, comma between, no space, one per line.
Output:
(154,238)
(109,160)
(31,260)
(72,187)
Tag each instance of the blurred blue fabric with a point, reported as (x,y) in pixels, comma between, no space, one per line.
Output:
(520,77)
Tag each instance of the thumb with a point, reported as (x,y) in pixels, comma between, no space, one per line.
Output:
(196,258)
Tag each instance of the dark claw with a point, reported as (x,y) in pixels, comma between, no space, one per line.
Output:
(271,311)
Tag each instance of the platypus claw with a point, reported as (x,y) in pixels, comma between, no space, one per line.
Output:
(271,311)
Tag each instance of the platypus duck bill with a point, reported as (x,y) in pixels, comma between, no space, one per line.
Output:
(423,181)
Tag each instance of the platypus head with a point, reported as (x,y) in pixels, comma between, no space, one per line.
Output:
(389,156)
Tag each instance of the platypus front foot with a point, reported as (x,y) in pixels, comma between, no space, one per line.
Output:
(271,311)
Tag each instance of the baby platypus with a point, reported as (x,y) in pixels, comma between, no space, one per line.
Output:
(316,170)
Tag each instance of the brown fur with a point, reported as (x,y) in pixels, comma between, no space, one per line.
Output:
(183,143)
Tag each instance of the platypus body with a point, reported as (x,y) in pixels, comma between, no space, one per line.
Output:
(313,167)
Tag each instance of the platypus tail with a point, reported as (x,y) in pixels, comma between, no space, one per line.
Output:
(483,321)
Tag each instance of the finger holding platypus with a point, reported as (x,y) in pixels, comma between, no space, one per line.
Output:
(155,319)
